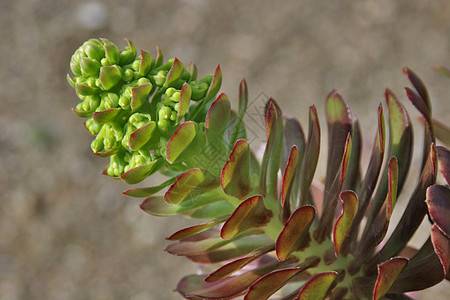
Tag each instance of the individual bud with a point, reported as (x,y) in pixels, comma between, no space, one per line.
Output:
(89,104)
(89,67)
(109,137)
(126,93)
(163,124)
(93,127)
(200,87)
(160,78)
(75,62)
(135,122)
(118,162)
(109,77)
(111,53)
(109,100)
(138,158)
(127,74)
(94,50)
(128,54)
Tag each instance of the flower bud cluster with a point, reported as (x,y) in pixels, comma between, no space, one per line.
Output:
(122,93)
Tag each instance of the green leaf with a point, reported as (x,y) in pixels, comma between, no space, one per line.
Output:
(109,77)
(159,57)
(442,132)
(400,146)
(237,264)
(82,113)
(185,98)
(146,63)
(343,223)
(182,138)
(140,173)
(272,154)
(267,285)
(192,69)
(215,85)
(192,230)
(156,205)
(317,287)
(438,202)
(236,172)
(189,185)
(85,90)
(387,273)
(289,175)
(140,95)
(107,115)
(236,249)
(175,72)
(250,213)
(243,98)
(149,191)
(295,233)
(142,135)
(311,157)
(217,119)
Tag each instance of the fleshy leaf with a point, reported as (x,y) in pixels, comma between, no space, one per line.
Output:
(140,173)
(267,285)
(295,233)
(342,226)
(311,157)
(249,214)
(400,146)
(239,248)
(387,273)
(438,201)
(339,119)
(243,97)
(146,63)
(423,271)
(190,231)
(185,98)
(414,212)
(443,156)
(192,69)
(140,95)
(215,85)
(237,264)
(106,115)
(174,73)
(226,288)
(217,118)
(419,87)
(236,172)
(317,287)
(182,138)
(156,205)
(109,77)
(148,191)
(289,175)
(189,185)
(142,135)
(81,113)
(441,244)
(293,136)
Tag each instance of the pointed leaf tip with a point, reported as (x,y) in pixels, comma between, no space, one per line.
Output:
(387,273)
(249,214)
(295,233)
(342,226)
(317,287)
(236,172)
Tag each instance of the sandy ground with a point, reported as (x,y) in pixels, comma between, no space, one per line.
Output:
(66,232)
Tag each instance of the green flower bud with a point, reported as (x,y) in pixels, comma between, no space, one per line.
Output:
(126,93)
(118,163)
(135,122)
(199,89)
(163,124)
(89,67)
(160,78)
(128,74)
(93,127)
(94,50)
(75,62)
(108,100)
(89,104)
(128,54)
(109,137)
(111,53)
(138,158)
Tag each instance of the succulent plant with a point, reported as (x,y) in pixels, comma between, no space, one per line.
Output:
(271,230)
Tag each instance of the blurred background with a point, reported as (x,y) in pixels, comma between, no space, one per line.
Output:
(67,232)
